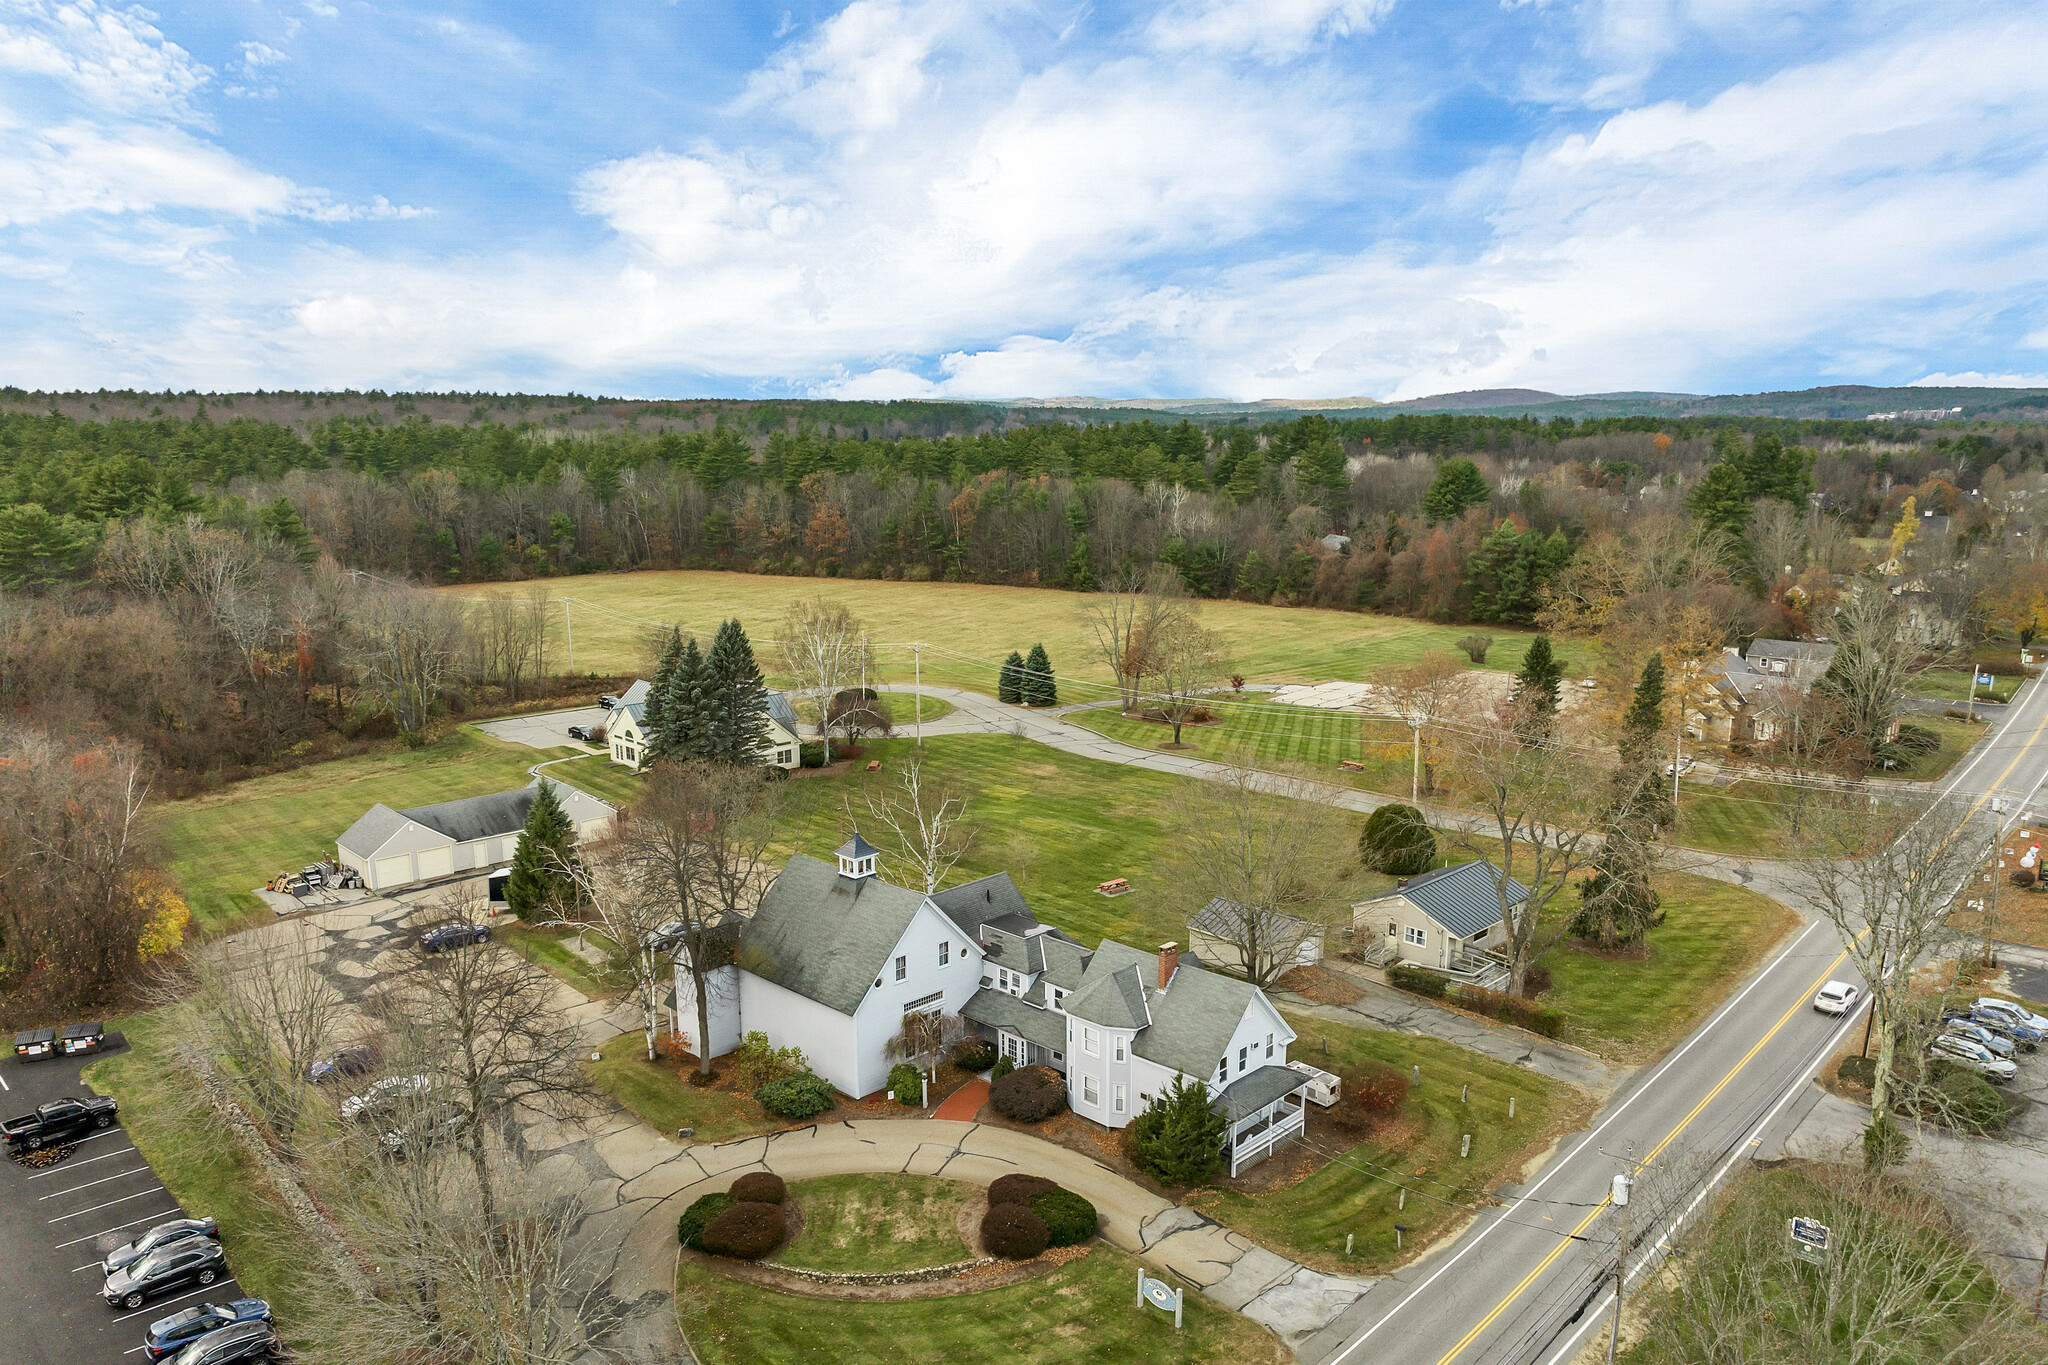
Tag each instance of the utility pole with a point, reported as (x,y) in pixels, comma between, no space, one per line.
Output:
(917,696)
(1970,708)
(2040,1285)
(1415,778)
(569,627)
(1623,1183)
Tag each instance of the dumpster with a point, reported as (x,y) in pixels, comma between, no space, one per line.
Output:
(82,1038)
(34,1044)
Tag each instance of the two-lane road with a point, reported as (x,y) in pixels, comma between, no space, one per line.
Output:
(1530,1278)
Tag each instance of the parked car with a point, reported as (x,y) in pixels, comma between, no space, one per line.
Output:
(1990,1009)
(434,1124)
(1964,1028)
(1973,1057)
(584,733)
(357,1059)
(2026,1036)
(168,1336)
(453,936)
(608,702)
(190,1260)
(239,1341)
(1836,997)
(58,1121)
(34,1044)
(384,1096)
(162,1235)
(1681,768)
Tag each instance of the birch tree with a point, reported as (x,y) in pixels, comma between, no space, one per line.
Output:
(926,821)
(824,648)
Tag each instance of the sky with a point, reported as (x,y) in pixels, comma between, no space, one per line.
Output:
(996,199)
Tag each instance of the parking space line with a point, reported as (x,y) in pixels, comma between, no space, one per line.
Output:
(199,1293)
(103,1180)
(156,1189)
(89,1265)
(87,1162)
(146,1218)
(104,1132)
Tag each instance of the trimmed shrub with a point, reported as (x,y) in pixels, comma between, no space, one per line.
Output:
(1002,1068)
(756,1061)
(1915,739)
(1031,1095)
(974,1054)
(1512,1009)
(745,1232)
(1966,1102)
(810,754)
(690,1227)
(1013,1232)
(2024,877)
(1179,1138)
(1019,1188)
(1377,1088)
(1858,1070)
(1417,980)
(803,1096)
(1068,1218)
(759,1187)
(1396,840)
(1475,647)
(906,1084)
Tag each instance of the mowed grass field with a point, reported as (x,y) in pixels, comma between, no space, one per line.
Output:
(970,627)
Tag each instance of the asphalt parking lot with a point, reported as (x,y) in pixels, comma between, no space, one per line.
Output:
(55,1224)
(546,729)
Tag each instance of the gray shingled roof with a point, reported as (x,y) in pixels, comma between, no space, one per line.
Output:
(1254,1090)
(476,817)
(825,936)
(372,831)
(1113,999)
(1192,1020)
(1816,651)
(1000,1009)
(973,904)
(1226,919)
(1462,899)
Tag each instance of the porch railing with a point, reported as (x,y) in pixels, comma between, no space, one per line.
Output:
(1254,1139)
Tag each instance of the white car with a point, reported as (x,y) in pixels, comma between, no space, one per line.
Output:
(384,1095)
(1974,1056)
(2006,1012)
(1836,997)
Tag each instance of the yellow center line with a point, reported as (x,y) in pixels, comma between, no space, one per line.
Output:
(1586,1222)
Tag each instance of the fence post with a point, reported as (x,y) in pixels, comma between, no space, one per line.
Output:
(1465,1093)
(1465,1148)
(1418,1073)
(1511,1106)
(1141,1286)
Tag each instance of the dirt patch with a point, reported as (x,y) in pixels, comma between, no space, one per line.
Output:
(1000,1275)
(1321,985)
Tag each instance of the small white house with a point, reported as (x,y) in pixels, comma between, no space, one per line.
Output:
(1234,938)
(393,849)
(1439,919)
(626,731)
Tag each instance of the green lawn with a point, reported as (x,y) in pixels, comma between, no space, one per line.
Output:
(877,1222)
(1269,736)
(1747,817)
(548,949)
(226,842)
(1953,684)
(207,1173)
(1085,1310)
(1957,737)
(1357,1194)
(598,775)
(657,1093)
(1631,1010)
(971,626)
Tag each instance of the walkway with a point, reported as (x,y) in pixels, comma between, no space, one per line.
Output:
(963,1104)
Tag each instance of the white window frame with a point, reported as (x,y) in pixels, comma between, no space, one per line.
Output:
(1414,937)
(1243,1059)
(1091,1041)
(902,967)
(1091,1094)
(945,951)
(1269,1045)
(1118,1098)
(1119,1047)
(1223,1070)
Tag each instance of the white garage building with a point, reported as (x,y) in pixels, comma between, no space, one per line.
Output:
(399,848)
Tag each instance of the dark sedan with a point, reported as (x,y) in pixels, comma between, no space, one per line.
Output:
(240,1341)
(355,1060)
(168,1336)
(194,1260)
(163,1234)
(453,936)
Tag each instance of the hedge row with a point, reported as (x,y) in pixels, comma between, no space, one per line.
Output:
(1418,980)
(1512,1009)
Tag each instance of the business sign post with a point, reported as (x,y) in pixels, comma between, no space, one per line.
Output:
(1809,1240)
(1160,1295)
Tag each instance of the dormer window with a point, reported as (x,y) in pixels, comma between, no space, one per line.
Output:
(857,858)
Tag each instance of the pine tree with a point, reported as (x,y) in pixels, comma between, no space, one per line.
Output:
(1036,685)
(1645,714)
(1320,470)
(1249,473)
(1617,905)
(685,703)
(1458,485)
(654,711)
(736,729)
(282,520)
(541,877)
(1080,573)
(1540,685)
(1179,1137)
(1010,681)
(1722,498)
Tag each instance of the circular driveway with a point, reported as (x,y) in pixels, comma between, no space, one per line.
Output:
(547,729)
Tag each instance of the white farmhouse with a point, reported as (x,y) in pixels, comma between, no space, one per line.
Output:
(392,849)
(626,730)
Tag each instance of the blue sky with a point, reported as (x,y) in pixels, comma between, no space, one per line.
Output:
(896,198)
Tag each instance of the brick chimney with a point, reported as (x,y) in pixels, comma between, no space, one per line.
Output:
(1169,959)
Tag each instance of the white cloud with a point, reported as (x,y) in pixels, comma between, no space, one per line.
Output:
(859,72)
(113,57)
(1973,379)
(79,168)
(1271,30)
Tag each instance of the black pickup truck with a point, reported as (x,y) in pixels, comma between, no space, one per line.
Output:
(59,1121)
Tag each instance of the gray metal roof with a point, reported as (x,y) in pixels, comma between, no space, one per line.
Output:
(1254,1090)
(372,831)
(781,712)
(825,936)
(1000,1009)
(1462,899)
(636,694)
(1113,999)
(476,817)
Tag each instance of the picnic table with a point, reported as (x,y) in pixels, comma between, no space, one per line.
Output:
(1115,886)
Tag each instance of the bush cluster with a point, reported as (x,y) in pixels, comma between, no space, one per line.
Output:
(1916,739)
(1068,1218)
(1418,980)
(1178,1139)
(759,1187)
(1967,1103)
(1001,1069)
(1858,1070)
(1512,1009)
(745,1232)
(802,1096)
(974,1054)
(756,1061)
(1013,1232)
(1031,1095)
(906,1083)
(1396,840)
(1019,1188)
(810,754)
(690,1227)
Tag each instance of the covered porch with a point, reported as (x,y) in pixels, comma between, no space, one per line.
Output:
(1028,1036)
(1262,1110)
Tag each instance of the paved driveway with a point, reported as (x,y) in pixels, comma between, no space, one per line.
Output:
(547,729)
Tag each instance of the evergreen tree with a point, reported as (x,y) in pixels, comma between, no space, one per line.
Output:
(1645,716)
(1080,573)
(654,711)
(1540,685)
(1320,468)
(685,709)
(541,877)
(282,520)
(1721,498)
(736,699)
(1502,575)
(1617,905)
(1010,681)
(1179,1138)
(1458,485)
(38,548)
(1641,800)
(1247,474)
(1036,685)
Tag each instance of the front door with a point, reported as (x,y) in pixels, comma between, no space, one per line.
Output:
(1016,1049)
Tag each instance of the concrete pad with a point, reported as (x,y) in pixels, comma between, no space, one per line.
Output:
(547,729)
(339,921)
(561,1169)
(1176,1218)
(636,1149)
(1301,1305)
(368,933)
(391,960)
(1255,1271)
(1205,1255)
(355,970)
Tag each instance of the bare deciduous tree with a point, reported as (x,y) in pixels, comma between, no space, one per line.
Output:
(1132,608)
(1873,663)
(925,1036)
(1184,662)
(404,644)
(824,648)
(926,821)
(1427,694)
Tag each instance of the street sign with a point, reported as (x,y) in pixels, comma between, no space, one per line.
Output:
(1988,680)
(1809,1240)
(1160,1295)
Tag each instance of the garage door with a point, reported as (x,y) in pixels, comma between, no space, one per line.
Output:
(394,871)
(591,829)
(436,862)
